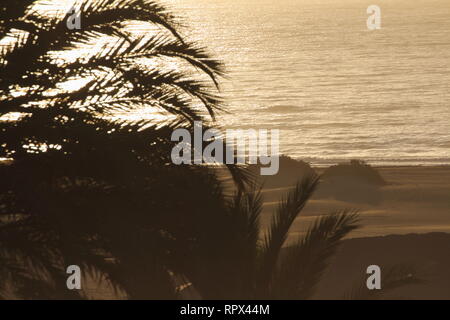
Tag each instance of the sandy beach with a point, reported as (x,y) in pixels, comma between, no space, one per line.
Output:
(414,200)
(403,222)
(428,254)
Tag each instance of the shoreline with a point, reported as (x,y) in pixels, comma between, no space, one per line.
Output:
(392,166)
(381,166)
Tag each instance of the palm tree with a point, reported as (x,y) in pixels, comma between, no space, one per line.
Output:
(239,259)
(248,263)
(81,183)
(10,12)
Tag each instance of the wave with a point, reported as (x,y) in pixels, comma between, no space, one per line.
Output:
(281,109)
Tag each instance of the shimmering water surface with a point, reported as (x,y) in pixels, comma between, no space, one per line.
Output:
(335,89)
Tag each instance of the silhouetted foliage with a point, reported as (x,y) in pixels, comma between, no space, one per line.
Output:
(289,173)
(356,170)
(354,182)
(83,186)
(259,264)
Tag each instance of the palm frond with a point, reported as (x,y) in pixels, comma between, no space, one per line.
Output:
(288,210)
(304,263)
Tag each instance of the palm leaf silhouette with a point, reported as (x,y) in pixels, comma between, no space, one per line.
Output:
(251,264)
(304,263)
(76,168)
(288,211)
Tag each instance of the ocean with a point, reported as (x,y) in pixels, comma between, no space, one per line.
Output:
(335,89)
